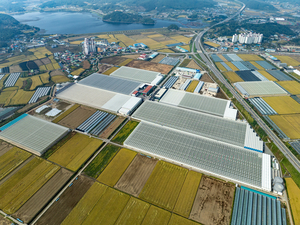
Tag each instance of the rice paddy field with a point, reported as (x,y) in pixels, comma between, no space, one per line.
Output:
(152,44)
(221,67)
(233,77)
(249,57)
(212,44)
(116,167)
(289,124)
(283,104)
(164,185)
(233,67)
(267,75)
(257,65)
(181,38)
(44,78)
(21,97)
(192,86)
(6,96)
(292,87)
(75,151)
(288,60)
(125,132)
(40,53)
(294,197)
(125,62)
(222,57)
(109,71)
(59,79)
(78,72)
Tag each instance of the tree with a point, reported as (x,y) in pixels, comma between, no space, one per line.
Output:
(173,27)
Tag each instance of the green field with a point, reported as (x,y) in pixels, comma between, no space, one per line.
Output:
(101,160)
(156,216)
(164,185)
(116,167)
(125,132)
(178,220)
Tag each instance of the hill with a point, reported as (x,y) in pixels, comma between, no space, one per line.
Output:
(120,17)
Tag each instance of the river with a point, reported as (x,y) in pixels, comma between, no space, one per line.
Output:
(83,23)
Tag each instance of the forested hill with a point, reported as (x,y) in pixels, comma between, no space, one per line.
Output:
(258,5)
(120,17)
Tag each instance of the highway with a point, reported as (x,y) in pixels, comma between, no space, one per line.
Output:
(205,57)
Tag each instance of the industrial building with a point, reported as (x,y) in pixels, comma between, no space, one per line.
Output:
(231,132)
(210,105)
(138,75)
(32,134)
(259,89)
(199,153)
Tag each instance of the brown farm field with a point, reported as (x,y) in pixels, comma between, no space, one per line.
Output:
(66,202)
(136,175)
(67,112)
(4,147)
(37,201)
(111,128)
(206,78)
(192,64)
(158,58)
(213,202)
(145,65)
(164,185)
(103,67)
(77,117)
(115,60)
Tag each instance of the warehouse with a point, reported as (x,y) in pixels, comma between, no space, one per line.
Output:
(130,106)
(32,134)
(213,157)
(134,74)
(201,103)
(259,89)
(201,124)
(109,83)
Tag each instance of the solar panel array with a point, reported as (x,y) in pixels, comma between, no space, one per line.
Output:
(296,145)
(199,86)
(240,65)
(110,83)
(169,61)
(170,82)
(12,79)
(218,158)
(281,134)
(213,127)
(226,66)
(263,107)
(254,208)
(265,65)
(216,58)
(185,85)
(40,92)
(279,75)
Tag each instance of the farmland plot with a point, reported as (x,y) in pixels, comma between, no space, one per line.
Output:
(178,220)
(267,75)
(294,197)
(145,65)
(283,104)
(5,147)
(67,112)
(136,175)
(125,132)
(249,57)
(164,185)
(213,202)
(233,77)
(156,216)
(289,124)
(292,87)
(112,127)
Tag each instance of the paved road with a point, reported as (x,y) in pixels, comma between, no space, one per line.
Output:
(205,57)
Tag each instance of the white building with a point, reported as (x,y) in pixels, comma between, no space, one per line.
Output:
(89,46)
(249,38)
(234,38)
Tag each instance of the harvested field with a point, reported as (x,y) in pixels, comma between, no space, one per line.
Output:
(38,62)
(151,43)
(193,65)
(164,185)
(283,104)
(220,67)
(116,167)
(249,57)
(112,127)
(186,47)
(109,71)
(76,117)
(181,38)
(37,201)
(75,151)
(257,65)
(15,69)
(185,62)
(86,65)
(134,56)
(233,67)
(158,58)
(166,50)
(156,216)
(292,87)
(288,60)
(56,73)
(46,61)
(67,201)
(213,202)
(11,160)
(44,78)
(267,75)
(136,175)
(222,57)
(211,44)
(133,213)
(178,220)
(63,115)
(60,79)
(5,147)
(37,173)
(125,62)
(145,65)
(206,78)
(126,40)
(168,41)
(95,168)
(233,77)
(187,194)
(294,197)
(192,86)
(125,132)
(289,124)
(115,60)
(103,67)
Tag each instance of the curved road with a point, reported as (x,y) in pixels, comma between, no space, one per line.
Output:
(205,57)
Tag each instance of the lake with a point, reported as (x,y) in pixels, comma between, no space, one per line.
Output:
(82,23)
